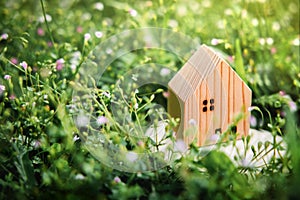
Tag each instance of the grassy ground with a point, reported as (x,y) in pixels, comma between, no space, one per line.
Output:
(47,74)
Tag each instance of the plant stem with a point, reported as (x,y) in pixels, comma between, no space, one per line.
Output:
(47,25)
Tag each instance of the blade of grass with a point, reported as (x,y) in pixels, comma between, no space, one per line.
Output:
(239,64)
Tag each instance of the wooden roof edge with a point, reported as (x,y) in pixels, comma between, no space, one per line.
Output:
(222,59)
(181,74)
(183,87)
(181,79)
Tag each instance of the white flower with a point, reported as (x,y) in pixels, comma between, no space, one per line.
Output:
(214,41)
(165,71)
(254,22)
(42,19)
(134,77)
(2,89)
(133,12)
(82,120)
(192,122)
(107,94)
(99,6)
(86,16)
(269,41)
(109,51)
(98,34)
(228,12)
(75,138)
(276,26)
(253,121)
(131,156)
(79,177)
(73,67)
(180,146)
(262,41)
(173,23)
(87,37)
(214,137)
(220,24)
(75,60)
(296,42)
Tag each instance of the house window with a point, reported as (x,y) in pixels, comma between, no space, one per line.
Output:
(211,107)
(218,131)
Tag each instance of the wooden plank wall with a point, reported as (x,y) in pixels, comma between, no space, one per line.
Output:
(231,97)
(222,88)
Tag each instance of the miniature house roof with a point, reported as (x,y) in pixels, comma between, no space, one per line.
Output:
(195,70)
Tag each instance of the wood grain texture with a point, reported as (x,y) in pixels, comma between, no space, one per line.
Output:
(211,96)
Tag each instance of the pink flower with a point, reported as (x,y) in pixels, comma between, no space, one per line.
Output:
(166,94)
(40,31)
(79,29)
(273,50)
(24,64)
(12,97)
(283,114)
(101,120)
(49,44)
(141,143)
(293,106)
(4,36)
(230,59)
(117,180)
(282,93)
(14,61)
(7,77)
(60,64)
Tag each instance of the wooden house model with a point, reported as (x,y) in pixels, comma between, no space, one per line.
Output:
(208,96)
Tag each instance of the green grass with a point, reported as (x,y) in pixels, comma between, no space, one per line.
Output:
(40,153)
